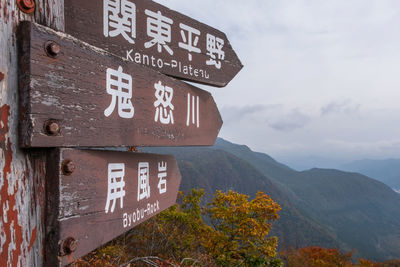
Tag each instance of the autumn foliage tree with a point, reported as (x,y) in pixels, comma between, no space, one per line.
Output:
(176,234)
(317,257)
(237,235)
(329,257)
(240,229)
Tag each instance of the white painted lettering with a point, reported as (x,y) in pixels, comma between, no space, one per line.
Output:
(125,220)
(193,110)
(143,181)
(163,103)
(119,18)
(189,43)
(159,28)
(146,59)
(160,63)
(138,58)
(119,86)
(128,55)
(116,173)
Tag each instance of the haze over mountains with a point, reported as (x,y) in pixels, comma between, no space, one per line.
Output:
(384,170)
(322,207)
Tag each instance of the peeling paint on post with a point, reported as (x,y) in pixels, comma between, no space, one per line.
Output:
(22,189)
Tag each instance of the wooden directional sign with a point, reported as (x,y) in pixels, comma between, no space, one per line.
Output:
(95,196)
(73,94)
(150,34)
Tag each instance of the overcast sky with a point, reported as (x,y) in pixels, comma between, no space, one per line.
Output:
(319,78)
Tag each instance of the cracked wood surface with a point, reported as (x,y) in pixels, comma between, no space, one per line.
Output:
(22,190)
(86,21)
(21,174)
(77,202)
(71,91)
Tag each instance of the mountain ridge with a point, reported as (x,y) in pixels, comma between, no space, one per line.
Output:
(384,170)
(323,207)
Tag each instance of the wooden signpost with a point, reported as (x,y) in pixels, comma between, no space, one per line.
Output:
(98,195)
(152,35)
(73,94)
(101,83)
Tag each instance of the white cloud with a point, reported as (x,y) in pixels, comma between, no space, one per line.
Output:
(319,76)
(340,106)
(293,120)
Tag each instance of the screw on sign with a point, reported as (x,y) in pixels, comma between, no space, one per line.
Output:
(152,35)
(67,101)
(23,172)
(114,102)
(26,6)
(68,167)
(52,128)
(52,49)
(69,245)
(118,191)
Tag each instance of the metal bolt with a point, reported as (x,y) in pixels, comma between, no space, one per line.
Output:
(26,6)
(52,49)
(69,245)
(52,128)
(1,76)
(68,167)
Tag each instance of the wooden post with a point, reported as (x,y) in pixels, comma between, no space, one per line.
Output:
(22,174)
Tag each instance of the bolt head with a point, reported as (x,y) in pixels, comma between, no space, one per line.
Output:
(69,245)
(26,6)
(52,49)
(52,128)
(68,167)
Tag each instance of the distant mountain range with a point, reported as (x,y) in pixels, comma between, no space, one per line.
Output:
(386,171)
(321,207)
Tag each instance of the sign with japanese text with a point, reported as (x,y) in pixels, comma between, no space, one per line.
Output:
(98,195)
(154,36)
(74,94)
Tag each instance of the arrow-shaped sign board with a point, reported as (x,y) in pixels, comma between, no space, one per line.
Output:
(73,94)
(150,34)
(95,196)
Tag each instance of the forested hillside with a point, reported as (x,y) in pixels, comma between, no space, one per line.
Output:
(321,207)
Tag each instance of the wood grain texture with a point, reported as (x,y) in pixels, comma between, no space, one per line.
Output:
(22,193)
(77,202)
(85,20)
(50,13)
(71,91)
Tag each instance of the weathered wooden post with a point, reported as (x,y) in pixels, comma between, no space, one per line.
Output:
(22,206)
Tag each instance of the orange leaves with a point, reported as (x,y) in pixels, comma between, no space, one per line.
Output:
(241,228)
(318,257)
(238,235)
(328,257)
